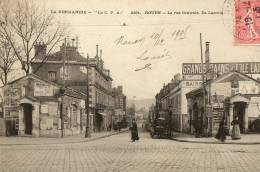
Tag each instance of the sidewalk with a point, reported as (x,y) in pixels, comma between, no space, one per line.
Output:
(17,140)
(246,139)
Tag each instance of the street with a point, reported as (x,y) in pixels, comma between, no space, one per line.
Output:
(118,153)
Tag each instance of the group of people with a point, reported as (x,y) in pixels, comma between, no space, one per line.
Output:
(223,130)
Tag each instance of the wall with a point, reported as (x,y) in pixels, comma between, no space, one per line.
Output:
(221,89)
(49,118)
(254,107)
(73,72)
(2,127)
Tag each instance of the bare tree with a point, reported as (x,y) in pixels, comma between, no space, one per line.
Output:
(7,60)
(26,23)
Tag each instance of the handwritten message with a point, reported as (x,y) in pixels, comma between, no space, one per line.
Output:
(156,40)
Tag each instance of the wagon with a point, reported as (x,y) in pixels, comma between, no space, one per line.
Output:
(160,128)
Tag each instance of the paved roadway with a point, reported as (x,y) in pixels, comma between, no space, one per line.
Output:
(117,153)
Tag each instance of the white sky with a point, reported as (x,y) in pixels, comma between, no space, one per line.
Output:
(95,29)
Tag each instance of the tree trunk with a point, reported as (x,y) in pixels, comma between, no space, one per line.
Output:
(5,78)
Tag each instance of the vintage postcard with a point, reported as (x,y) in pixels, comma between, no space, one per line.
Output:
(151,85)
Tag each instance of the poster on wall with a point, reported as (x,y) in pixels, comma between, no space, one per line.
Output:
(247,87)
(44,108)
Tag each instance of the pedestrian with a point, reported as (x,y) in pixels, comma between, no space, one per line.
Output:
(221,135)
(134,131)
(235,129)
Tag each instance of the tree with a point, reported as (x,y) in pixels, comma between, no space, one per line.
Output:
(7,59)
(24,24)
(131,111)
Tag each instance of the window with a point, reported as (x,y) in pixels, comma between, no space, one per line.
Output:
(234,84)
(52,75)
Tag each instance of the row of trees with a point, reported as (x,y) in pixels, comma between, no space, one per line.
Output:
(23,24)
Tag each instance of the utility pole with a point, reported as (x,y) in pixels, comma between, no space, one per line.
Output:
(62,91)
(208,80)
(203,82)
(87,132)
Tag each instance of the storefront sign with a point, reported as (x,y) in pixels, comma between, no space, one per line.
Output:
(192,83)
(192,77)
(220,68)
(41,89)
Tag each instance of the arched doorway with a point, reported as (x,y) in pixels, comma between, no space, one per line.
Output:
(27,116)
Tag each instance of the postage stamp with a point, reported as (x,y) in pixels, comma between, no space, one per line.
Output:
(247,22)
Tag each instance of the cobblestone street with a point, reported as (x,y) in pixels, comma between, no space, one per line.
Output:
(117,153)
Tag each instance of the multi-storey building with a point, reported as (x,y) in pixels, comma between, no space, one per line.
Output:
(120,104)
(172,97)
(101,100)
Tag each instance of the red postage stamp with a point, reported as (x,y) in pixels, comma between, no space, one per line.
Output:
(247,21)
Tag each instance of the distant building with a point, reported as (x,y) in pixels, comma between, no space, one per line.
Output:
(172,97)
(120,104)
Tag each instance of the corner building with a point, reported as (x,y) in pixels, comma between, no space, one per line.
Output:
(231,94)
(75,75)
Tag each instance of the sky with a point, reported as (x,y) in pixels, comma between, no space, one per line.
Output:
(161,42)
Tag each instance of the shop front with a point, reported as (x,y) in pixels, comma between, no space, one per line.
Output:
(229,96)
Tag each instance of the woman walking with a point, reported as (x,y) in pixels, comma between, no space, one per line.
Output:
(235,130)
(221,135)
(134,131)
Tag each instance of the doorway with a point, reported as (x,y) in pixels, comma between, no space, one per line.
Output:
(197,119)
(27,113)
(239,111)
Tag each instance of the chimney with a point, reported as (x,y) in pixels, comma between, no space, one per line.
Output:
(100,53)
(207,52)
(77,42)
(97,50)
(40,49)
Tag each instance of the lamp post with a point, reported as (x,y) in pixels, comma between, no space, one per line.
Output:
(170,121)
(61,99)
(87,132)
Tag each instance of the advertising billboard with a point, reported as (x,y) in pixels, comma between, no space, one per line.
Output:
(220,68)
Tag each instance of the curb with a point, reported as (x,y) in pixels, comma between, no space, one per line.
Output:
(239,143)
(81,141)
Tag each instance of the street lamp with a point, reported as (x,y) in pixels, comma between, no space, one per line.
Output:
(170,121)
(87,132)
(61,100)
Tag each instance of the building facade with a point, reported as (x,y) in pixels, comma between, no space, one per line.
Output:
(101,100)
(120,105)
(33,106)
(172,97)
(231,94)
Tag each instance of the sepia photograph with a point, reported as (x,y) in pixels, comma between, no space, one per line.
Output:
(129,86)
